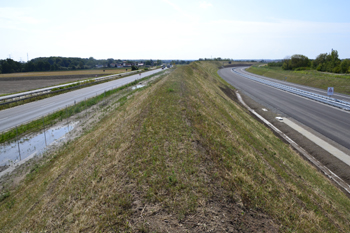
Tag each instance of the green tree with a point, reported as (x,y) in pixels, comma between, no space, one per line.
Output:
(110,61)
(319,62)
(298,61)
(344,66)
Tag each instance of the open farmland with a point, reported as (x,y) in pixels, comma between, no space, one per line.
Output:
(18,82)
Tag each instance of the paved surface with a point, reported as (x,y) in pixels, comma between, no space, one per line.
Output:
(322,143)
(302,87)
(28,112)
(328,121)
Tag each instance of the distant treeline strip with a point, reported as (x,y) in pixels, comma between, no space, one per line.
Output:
(323,62)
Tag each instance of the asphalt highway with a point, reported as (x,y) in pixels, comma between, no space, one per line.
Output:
(13,117)
(328,121)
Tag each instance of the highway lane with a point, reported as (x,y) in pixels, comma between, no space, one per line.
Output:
(12,117)
(305,88)
(330,122)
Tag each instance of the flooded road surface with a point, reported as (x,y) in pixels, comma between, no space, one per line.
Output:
(29,146)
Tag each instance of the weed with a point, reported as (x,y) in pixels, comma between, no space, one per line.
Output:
(10,204)
(4,195)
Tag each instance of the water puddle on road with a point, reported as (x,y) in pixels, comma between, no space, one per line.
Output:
(16,153)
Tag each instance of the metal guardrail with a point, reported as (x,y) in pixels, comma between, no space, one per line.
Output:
(307,94)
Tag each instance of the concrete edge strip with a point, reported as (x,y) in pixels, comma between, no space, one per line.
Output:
(312,159)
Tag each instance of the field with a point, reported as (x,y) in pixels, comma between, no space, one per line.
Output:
(178,156)
(18,82)
(66,73)
(312,78)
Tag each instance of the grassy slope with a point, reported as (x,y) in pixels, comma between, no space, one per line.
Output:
(312,78)
(178,155)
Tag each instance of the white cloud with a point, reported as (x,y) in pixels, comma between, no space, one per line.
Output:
(205,5)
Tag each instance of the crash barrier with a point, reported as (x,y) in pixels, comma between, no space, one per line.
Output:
(307,94)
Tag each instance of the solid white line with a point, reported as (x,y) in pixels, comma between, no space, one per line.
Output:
(318,141)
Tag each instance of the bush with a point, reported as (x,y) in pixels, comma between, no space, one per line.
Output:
(336,69)
(275,64)
(302,68)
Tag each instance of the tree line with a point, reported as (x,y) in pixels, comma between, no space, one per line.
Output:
(64,63)
(324,62)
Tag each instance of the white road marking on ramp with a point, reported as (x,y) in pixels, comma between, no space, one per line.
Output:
(323,144)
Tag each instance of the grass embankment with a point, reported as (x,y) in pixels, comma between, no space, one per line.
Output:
(179,155)
(311,78)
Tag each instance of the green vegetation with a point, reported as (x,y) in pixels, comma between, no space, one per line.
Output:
(323,62)
(312,78)
(178,155)
(296,62)
(133,67)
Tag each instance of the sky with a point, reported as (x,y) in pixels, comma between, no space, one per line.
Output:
(173,29)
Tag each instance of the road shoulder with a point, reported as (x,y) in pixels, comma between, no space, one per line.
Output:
(327,159)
